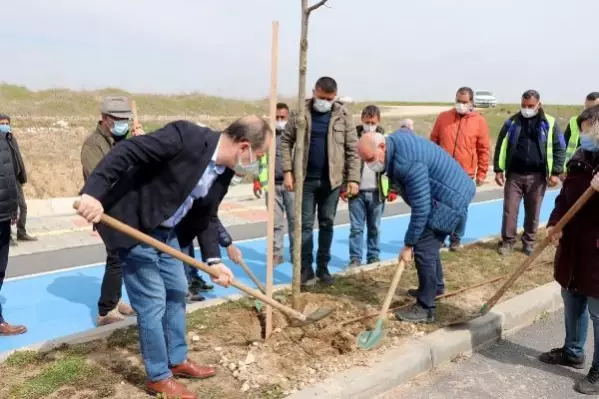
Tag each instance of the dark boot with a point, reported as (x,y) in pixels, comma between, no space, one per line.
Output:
(354,263)
(322,272)
(413,292)
(589,385)
(199,284)
(25,237)
(416,314)
(528,249)
(307,276)
(560,357)
(505,248)
(373,260)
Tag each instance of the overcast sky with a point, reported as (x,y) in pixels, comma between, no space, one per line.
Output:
(376,50)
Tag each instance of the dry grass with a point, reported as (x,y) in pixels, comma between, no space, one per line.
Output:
(52,151)
(291,359)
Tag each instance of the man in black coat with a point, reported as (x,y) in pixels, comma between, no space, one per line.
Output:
(169,184)
(8,213)
(21,176)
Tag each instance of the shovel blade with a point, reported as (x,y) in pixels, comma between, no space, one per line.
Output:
(368,340)
(313,317)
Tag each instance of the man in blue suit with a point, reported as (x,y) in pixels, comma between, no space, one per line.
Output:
(437,190)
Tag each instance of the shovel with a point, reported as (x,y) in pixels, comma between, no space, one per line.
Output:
(370,339)
(121,227)
(529,260)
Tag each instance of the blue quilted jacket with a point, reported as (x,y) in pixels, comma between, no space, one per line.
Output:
(430,181)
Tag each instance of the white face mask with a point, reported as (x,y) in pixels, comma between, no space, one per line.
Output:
(376,166)
(236,180)
(462,108)
(253,168)
(321,105)
(369,128)
(528,112)
(281,125)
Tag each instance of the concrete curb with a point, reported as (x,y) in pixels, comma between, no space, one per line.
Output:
(422,354)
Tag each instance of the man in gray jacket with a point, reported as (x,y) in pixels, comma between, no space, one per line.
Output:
(330,159)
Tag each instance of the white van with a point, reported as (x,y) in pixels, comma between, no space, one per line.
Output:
(484,99)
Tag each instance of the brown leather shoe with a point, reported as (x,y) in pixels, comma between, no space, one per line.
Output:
(170,389)
(188,369)
(6,329)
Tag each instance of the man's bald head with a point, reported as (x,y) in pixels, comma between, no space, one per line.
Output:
(371,147)
(250,128)
(244,142)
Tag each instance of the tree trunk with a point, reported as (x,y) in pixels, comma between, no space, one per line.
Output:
(299,158)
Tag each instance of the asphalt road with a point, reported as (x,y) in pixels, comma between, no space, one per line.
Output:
(83,255)
(507,370)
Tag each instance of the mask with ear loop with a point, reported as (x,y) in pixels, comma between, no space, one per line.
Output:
(253,168)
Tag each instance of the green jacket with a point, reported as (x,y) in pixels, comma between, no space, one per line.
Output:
(95,147)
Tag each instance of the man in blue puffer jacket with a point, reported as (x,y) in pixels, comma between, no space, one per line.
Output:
(437,190)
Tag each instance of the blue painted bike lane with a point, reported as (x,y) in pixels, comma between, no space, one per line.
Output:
(64,302)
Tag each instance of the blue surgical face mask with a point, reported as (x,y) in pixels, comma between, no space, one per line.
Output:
(588,142)
(120,128)
(4,129)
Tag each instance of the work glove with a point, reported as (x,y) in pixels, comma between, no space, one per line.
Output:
(257,188)
(391,197)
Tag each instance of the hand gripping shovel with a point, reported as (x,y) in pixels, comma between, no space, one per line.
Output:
(370,339)
(529,260)
(303,319)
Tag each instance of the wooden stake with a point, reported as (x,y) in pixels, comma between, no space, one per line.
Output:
(135,117)
(272,155)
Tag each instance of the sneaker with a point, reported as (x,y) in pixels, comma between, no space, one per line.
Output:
(198,283)
(589,385)
(560,357)
(528,249)
(354,263)
(25,237)
(373,260)
(416,314)
(192,297)
(114,316)
(413,292)
(322,272)
(13,243)
(455,246)
(125,309)
(505,248)
(308,277)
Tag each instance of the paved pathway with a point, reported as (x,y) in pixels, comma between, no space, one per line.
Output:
(63,302)
(507,370)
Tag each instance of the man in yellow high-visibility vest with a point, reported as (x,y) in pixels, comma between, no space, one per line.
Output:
(529,156)
(572,133)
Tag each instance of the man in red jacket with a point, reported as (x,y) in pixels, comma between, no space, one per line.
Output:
(464,134)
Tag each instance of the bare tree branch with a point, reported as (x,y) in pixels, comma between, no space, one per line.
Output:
(316,6)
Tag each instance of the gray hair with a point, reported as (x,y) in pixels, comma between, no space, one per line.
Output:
(406,123)
(251,128)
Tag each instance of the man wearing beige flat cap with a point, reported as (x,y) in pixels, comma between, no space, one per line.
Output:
(116,113)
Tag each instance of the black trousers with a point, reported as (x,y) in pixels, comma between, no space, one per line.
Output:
(112,284)
(428,266)
(21,231)
(4,247)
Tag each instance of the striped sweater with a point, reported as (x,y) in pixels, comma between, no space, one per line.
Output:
(430,181)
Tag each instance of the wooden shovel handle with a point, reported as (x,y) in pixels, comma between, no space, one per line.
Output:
(392,289)
(160,246)
(539,249)
(251,275)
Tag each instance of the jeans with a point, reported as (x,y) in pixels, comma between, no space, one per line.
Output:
(191,273)
(428,266)
(532,188)
(318,194)
(4,247)
(365,209)
(460,230)
(283,208)
(577,323)
(157,287)
(112,283)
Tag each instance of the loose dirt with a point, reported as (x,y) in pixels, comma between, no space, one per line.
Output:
(230,336)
